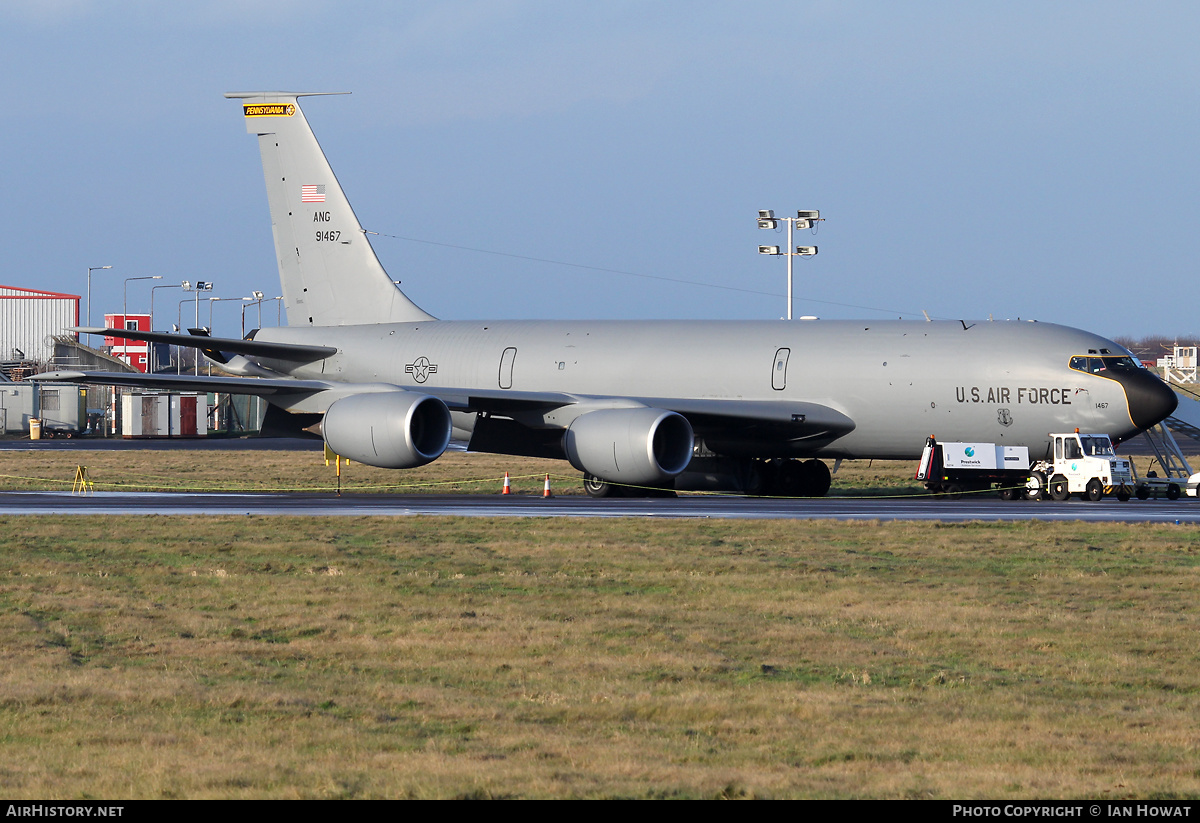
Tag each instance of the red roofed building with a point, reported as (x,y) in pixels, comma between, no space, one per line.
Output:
(134,352)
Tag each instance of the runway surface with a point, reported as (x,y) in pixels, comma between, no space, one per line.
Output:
(1184,511)
(162,444)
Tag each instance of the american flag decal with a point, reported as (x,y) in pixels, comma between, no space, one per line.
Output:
(312,194)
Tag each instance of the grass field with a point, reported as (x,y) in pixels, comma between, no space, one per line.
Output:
(454,472)
(431,657)
(444,657)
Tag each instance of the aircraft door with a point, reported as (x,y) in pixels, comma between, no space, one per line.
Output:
(506,367)
(779,369)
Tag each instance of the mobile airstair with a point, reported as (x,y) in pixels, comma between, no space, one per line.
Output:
(1174,470)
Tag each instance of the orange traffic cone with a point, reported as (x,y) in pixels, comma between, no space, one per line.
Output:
(546,491)
(507,487)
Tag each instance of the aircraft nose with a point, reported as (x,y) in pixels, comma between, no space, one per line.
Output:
(1150,399)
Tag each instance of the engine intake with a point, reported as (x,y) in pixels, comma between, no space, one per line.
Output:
(635,446)
(392,430)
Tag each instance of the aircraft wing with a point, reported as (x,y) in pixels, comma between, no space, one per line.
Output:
(188,382)
(212,345)
(795,418)
(746,426)
(798,415)
(500,402)
(720,420)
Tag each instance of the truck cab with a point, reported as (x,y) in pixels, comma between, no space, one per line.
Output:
(1086,465)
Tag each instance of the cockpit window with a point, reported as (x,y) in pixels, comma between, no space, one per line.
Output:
(1100,365)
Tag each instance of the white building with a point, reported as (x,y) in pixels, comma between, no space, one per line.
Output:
(28,317)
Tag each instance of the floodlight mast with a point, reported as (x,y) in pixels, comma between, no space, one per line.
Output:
(804,219)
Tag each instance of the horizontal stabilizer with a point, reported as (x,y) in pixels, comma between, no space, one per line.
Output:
(293,352)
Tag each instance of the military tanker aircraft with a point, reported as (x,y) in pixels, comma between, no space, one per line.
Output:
(640,407)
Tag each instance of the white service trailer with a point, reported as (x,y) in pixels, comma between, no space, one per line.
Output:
(1081,464)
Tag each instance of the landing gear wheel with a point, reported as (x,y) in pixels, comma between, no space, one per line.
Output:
(1172,492)
(1094,490)
(595,487)
(954,491)
(789,479)
(816,478)
(1012,493)
(755,480)
(1123,495)
(1143,492)
(1059,490)
(1035,487)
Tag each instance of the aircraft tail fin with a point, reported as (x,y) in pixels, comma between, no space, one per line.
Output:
(327,268)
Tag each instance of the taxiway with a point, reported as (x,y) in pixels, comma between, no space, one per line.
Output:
(1184,511)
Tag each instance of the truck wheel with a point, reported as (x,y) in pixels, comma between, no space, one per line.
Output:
(1094,491)
(1172,492)
(1059,490)
(1035,487)
(954,491)
(1143,492)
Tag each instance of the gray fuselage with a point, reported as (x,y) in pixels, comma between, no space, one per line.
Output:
(899,381)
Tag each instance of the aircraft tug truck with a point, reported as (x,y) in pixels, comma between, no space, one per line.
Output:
(1079,464)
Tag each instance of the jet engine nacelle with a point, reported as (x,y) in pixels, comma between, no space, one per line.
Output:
(635,446)
(392,430)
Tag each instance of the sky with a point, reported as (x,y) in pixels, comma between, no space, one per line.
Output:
(528,159)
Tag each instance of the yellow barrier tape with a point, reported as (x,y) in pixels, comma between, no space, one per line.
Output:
(227,488)
(167,485)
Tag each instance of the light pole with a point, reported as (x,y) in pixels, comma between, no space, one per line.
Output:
(125,296)
(179,313)
(153,289)
(256,296)
(125,318)
(212,300)
(90,270)
(153,351)
(179,326)
(201,285)
(802,220)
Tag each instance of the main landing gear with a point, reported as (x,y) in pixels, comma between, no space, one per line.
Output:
(780,477)
(795,478)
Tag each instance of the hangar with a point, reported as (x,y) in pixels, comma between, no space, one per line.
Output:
(29,318)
